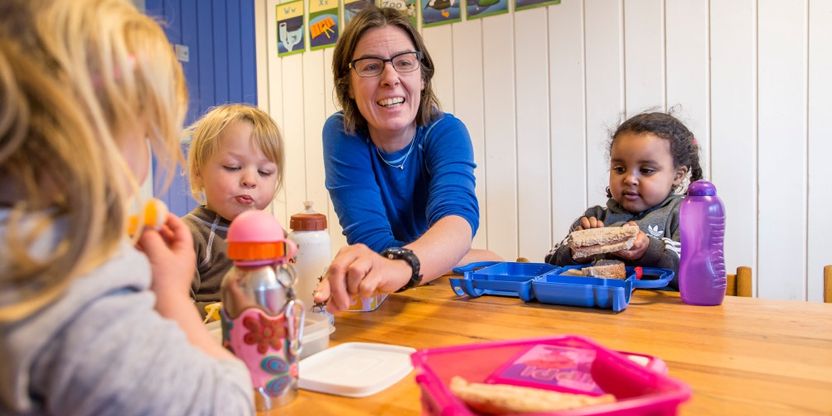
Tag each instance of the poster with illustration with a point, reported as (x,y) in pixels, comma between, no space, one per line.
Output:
(352,7)
(440,12)
(408,7)
(482,8)
(290,28)
(528,4)
(323,23)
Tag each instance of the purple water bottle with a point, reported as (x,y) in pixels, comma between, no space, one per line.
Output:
(702,262)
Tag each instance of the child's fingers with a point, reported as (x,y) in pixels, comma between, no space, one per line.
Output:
(166,232)
(590,222)
(152,243)
(180,235)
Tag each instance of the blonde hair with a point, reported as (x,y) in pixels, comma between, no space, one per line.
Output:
(76,77)
(205,140)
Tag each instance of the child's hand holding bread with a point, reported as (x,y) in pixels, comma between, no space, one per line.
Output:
(639,247)
(592,238)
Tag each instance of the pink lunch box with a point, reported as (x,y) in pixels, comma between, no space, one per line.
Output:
(571,364)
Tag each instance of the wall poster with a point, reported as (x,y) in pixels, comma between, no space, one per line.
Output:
(528,4)
(483,8)
(323,23)
(440,12)
(408,7)
(352,7)
(290,29)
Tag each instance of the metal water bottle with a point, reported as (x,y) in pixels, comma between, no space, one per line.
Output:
(702,261)
(262,322)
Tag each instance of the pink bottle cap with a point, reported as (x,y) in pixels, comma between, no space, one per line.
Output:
(256,238)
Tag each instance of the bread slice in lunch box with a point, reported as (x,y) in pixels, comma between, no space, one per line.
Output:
(498,399)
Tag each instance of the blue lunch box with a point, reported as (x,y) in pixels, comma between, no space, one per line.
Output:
(546,284)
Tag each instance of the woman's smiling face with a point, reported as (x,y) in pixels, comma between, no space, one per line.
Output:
(390,101)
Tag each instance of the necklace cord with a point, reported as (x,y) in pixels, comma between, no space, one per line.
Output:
(398,163)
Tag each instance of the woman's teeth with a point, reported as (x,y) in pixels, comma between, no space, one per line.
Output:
(391,101)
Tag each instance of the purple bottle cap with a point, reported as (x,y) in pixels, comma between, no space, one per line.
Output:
(701,188)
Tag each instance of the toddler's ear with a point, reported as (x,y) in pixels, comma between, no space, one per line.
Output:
(681,172)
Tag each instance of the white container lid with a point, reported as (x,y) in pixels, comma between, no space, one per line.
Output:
(355,369)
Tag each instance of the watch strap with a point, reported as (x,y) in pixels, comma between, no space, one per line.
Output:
(401,253)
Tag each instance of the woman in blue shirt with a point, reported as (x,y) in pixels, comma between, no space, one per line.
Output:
(400,172)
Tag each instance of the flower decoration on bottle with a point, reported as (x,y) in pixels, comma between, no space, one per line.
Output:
(264,332)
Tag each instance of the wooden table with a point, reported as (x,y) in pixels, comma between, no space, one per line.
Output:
(746,357)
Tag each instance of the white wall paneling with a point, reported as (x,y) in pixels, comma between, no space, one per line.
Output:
(734,125)
(273,90)
(336,235)
(540,91)
(500,135)
(782,147)
(314,93)
(604,84)
(469,100)
(567,115)
(440,44)
(820,145)
(687,68)
(534,206)
(294,133)
(644,55)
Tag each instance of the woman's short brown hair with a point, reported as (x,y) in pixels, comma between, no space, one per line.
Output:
(369,18)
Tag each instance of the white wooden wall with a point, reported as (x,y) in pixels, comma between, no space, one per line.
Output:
(541,89)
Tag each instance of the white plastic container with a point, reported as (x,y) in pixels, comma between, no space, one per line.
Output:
(316,331)
(355,369)
(314,252)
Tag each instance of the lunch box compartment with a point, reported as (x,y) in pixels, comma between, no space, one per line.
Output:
(499,278)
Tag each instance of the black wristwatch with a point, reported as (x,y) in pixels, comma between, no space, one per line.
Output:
(400,253)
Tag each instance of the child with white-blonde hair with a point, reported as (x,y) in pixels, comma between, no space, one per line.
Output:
(92,322)
(235,164)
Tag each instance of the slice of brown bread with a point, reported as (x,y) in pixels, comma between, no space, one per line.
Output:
(589,242)
(503,398)
(613,269)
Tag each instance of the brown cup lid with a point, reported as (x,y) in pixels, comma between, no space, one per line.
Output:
(308,220)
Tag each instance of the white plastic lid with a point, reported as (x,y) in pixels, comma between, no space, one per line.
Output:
(355,369)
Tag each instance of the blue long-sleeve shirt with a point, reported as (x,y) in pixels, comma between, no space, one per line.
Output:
(382,204)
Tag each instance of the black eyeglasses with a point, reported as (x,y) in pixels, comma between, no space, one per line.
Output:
(373,67)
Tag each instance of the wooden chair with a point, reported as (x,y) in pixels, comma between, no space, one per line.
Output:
(739,284)
(827,284)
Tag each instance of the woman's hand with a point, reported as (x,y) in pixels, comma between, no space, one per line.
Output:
(360,272)
(589,222)
(172,258)
(639,246)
